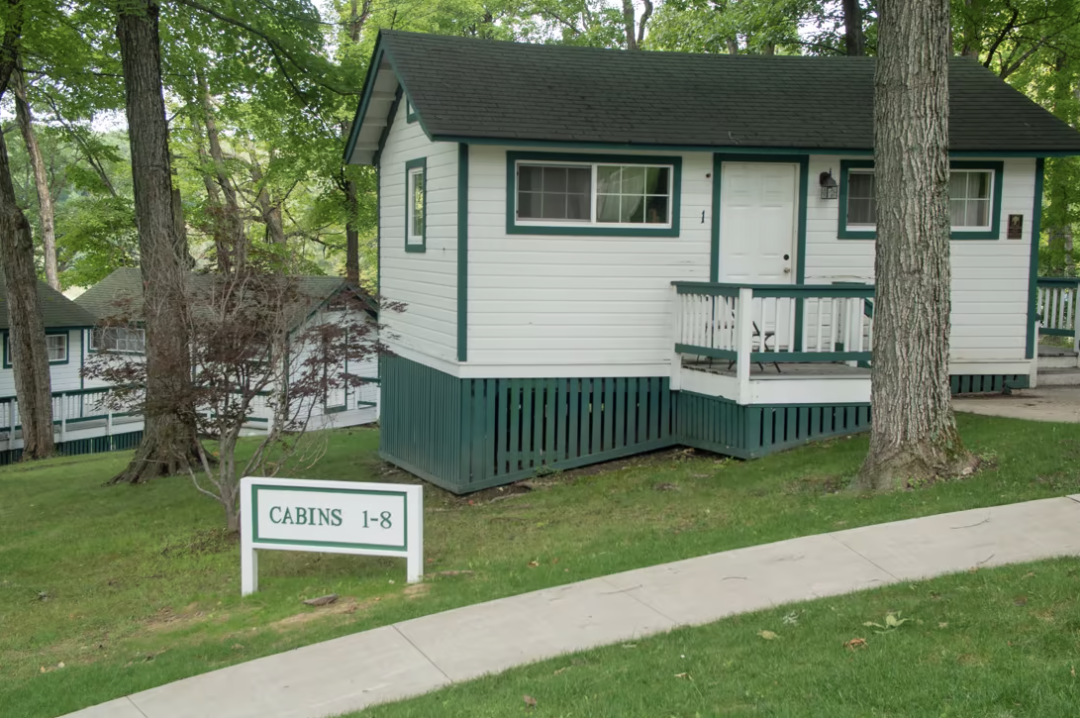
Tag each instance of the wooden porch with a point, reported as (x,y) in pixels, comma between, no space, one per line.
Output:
(768,344)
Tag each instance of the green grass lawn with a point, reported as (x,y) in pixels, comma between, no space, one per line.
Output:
(132,587)
(999,643)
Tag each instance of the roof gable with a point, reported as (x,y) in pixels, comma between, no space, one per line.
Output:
(57,311)
(466,89)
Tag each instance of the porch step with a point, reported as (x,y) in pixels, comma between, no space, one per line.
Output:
(1057,361)
(1059,377)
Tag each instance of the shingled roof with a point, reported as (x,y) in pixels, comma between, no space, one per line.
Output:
(121,293)
(464,89)
(57,311)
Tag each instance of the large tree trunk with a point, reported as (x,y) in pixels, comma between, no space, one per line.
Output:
(41,181)
(29,355)
(914,434)
(854,38)
(358,15)
(168,445)
(629,25)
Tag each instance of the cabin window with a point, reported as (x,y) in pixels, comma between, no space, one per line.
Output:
(416,205)
(974,200)
(56,346)
(122,340)
(598,194)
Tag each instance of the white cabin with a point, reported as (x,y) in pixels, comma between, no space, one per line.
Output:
(603,253)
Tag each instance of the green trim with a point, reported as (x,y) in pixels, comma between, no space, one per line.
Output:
(803,162)
(516,142)
(420,162)
(255,488)
(410,112)
(378,231)
(799,291)
(730,354)
(1033,262)
(998,168)
(1058,281)
(994,233)
(842,231)
(595,230)
(463,254)
(49,333)
(1057,332)
(714,236)
(377,56)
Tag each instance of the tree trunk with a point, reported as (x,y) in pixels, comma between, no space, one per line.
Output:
(232,225)
(271,213)
(914,436)
(26,336)
(854,37)
(629,25)
(169,439)
(358,15)
(41,181)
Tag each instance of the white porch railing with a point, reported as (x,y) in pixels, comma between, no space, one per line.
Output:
(75,412)
(1057,305)
(768,323)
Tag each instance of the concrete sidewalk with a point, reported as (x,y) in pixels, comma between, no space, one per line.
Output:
(417,656)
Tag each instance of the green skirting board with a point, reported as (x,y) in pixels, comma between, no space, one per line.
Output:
(987,383)
(95,445)
(470,434)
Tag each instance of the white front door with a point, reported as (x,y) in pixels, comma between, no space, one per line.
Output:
(758,222)
(758,229)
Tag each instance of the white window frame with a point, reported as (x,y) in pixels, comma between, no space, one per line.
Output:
(592,223)
(989,202)
(49,347)
(873,227)
(95,339)
(411,235)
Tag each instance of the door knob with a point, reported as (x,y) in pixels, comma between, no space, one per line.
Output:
(787,270)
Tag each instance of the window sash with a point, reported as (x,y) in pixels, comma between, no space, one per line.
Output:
(417,201)
(121,340)
(648,200)
(971,212)
(56,346)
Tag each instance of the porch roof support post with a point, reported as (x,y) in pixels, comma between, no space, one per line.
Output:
(744,341)
(676,337)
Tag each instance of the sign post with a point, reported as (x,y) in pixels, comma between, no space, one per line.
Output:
(329,517)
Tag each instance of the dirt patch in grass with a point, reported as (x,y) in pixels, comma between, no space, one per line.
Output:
(344,606)
(817,485)
(166,619)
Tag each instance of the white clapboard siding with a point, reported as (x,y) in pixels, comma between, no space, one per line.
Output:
(990,277)
(63,377)
(426,282)
(576,305)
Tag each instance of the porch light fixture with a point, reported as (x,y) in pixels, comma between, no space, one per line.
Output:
(829,188)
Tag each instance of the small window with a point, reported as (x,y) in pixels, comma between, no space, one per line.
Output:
(974,200)
(862,204)
(57,347)
(122,340)
(969,198)
(415,206)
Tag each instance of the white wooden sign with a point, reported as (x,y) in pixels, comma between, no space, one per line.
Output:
(329,517)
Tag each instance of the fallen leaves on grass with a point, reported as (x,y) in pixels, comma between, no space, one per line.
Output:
(768,635)
(533,564)
(682,675)
(529,700)
(855,643)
